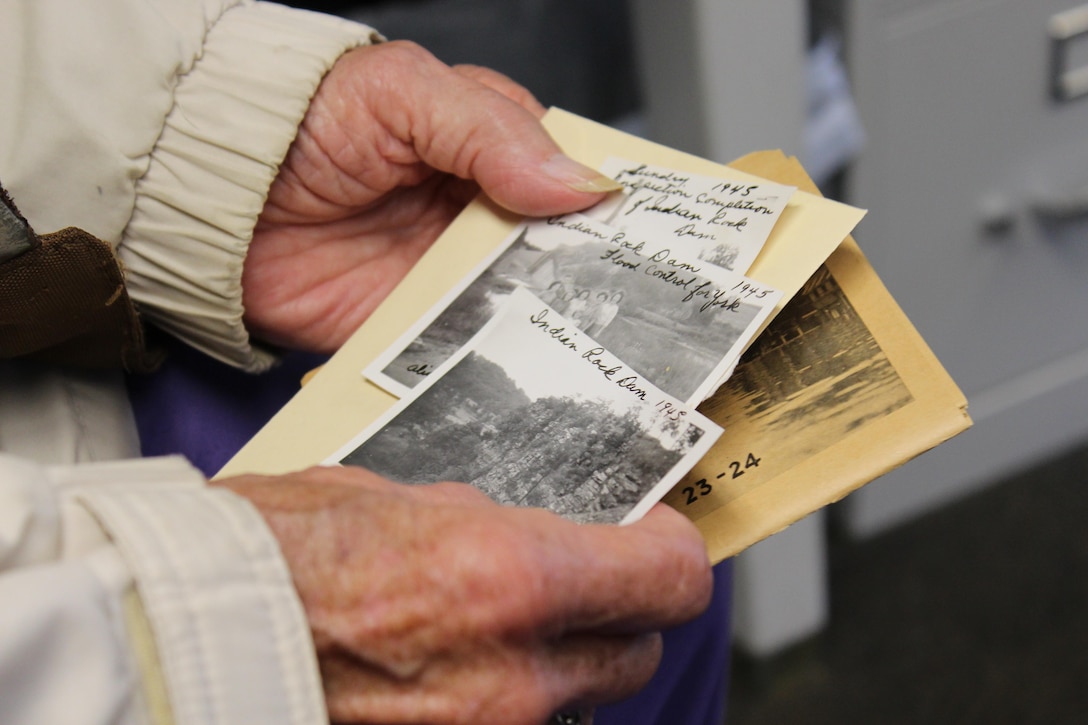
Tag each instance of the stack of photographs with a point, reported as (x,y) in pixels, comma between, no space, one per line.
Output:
(564,371)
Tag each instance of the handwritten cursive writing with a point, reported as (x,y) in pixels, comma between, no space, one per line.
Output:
(713,297)
(663,205)
(630,383)
(576,226)
(420,369)
(557,333)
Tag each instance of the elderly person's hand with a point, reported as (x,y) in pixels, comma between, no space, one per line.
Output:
(431,604)
(392,147)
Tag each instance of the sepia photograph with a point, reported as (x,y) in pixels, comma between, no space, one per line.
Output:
(721,221)
(533,412)
(813,376)
(679,323)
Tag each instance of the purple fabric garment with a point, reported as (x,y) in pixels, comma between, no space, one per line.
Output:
(206,411)
(691,685)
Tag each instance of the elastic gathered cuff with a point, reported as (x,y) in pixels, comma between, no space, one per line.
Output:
(234,118)
(216,593)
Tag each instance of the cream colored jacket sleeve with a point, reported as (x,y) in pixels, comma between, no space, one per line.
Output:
(134,594)
(130,592)
(158,125)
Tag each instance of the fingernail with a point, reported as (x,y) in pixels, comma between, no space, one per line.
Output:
(578,176)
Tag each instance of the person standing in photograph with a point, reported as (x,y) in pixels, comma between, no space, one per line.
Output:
(607,307)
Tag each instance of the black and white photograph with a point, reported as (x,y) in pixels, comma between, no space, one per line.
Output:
(679,323)
(721,221)
(534,412)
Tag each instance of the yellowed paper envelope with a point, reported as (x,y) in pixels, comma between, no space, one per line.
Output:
(839,389)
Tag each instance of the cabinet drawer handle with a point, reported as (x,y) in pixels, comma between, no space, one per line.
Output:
(1067,84)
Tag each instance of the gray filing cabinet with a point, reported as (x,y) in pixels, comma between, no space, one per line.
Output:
(975,173)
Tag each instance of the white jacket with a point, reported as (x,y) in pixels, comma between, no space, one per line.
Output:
(129,591)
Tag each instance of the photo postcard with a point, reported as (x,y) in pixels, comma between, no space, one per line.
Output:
(534,412)
(678,322)
(717,220)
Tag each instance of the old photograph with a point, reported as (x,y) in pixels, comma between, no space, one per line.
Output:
(811,378)
(678,322)
(534,412)
(719,220)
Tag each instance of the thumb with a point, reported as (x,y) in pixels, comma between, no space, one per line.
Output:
(473,130)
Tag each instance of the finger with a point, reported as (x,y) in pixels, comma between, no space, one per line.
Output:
(462,126)
(586,671)
(327,484)
(510,683)
(649,575)
(448,493)
(505,85)
(319,477)
(646,576)
(561,577)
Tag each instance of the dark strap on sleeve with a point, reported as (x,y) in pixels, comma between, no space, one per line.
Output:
(63,299)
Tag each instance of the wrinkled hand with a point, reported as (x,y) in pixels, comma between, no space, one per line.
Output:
(393,145)
(431,604)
